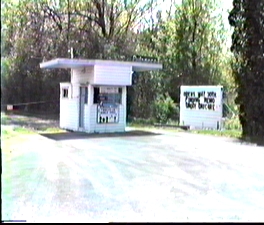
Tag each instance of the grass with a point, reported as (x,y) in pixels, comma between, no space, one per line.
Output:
(16,163)
(12,140)
(222,133)
(14,133)
(152,127)
(139,125)
(25,123)
(52,130)
(10,131)
(22,130)
(5,119)
(234,133)
(232,127)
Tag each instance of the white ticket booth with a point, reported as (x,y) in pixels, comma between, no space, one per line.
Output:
(94,101)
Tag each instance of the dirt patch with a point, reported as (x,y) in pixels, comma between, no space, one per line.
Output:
(37,122)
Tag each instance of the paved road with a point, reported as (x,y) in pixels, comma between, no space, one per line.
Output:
(166,177)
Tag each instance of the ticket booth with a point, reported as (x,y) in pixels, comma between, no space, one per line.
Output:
(94,101)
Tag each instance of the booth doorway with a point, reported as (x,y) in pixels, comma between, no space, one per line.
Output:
(81,106)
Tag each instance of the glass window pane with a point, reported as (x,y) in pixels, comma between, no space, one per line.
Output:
(107,98)
(86,96)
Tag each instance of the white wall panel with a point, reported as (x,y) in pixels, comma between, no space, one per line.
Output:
(112,75)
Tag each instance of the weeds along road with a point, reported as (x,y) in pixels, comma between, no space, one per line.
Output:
(138,177)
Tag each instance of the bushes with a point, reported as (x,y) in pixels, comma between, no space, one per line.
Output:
(140,121)
(164,109)
(233,123)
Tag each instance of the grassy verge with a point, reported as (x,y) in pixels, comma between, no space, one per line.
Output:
(149,127)
(10,131)
(52,130)
(232,127)
(17,130)
(224,133)
(234,133)
(139,125)
(5,119)
(13,139)
(34,124)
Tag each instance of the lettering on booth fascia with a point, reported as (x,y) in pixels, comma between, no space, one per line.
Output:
(141,58)
(202,100)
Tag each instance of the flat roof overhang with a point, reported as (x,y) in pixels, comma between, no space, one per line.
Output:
(80,63)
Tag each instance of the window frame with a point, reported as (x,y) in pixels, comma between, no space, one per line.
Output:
(65,87)
(65,92)
(96,95)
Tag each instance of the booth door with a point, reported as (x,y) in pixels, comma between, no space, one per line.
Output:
(81,107)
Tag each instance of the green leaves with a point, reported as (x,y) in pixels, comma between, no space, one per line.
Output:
(247,20)
(164,109)
(189,42)
(191,46)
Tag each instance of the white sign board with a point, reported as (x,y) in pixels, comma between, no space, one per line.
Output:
(201,107)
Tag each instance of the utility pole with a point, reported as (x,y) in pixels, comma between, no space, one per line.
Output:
(68,30)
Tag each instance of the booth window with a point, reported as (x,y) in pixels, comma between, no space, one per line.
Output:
(108,98)
(86,96)
(96,95)
(65,92)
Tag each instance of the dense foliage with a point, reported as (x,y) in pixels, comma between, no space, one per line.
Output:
(247,18)
(189,39)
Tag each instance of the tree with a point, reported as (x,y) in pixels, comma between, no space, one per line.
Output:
(36,30)
(248,49)
(25,42)
(190,44)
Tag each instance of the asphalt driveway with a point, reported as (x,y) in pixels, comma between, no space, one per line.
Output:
(141,177)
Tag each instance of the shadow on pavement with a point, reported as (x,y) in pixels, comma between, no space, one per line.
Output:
(82,135)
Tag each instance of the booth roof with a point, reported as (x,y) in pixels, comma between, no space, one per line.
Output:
(79,63)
